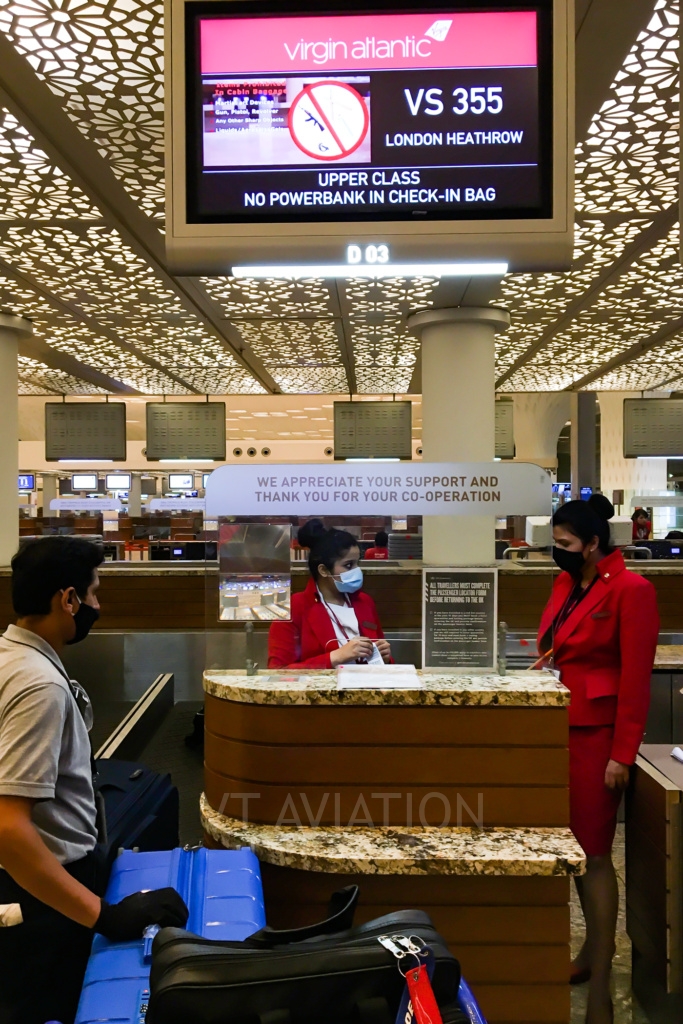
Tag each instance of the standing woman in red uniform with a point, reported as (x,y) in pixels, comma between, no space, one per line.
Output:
(600,629)
(333,621)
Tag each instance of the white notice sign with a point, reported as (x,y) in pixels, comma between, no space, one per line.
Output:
(86,505)
(181,504)
(392,489)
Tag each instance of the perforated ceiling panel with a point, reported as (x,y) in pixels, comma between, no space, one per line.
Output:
(185,430)
(371,430)
(653,427)
(85,430)
(505,430)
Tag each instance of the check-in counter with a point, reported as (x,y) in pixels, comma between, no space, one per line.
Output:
(452,798)
(654,882)
(147,596)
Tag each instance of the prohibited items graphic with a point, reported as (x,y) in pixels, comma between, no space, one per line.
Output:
(328,120)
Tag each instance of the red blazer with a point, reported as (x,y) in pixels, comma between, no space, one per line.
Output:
(376,553)
(306,641)
(605,651)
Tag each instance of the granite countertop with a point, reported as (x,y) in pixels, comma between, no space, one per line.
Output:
(669,656)
(517,689)
(403,850)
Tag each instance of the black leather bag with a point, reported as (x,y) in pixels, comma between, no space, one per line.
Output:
(328,972)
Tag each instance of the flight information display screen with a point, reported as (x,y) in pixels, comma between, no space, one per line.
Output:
(445,112)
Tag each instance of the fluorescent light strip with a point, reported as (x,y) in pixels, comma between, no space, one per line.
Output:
(345,270)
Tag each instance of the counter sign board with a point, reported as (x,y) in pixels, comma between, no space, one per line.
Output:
(459,627)
(454,112)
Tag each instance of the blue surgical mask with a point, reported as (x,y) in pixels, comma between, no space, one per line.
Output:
(349,582)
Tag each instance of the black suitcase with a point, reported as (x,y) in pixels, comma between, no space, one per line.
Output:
(140,808)
(296,977)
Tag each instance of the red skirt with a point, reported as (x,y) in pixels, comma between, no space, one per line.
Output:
(592,806)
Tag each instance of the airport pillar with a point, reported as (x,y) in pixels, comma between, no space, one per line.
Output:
(538,420)
(135,495)
(584,442)
(458,417)
(49,492)
(11,329)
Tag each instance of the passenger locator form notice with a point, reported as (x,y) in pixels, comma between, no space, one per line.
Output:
(344,116)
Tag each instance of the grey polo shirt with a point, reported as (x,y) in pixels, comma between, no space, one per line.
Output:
(44,744)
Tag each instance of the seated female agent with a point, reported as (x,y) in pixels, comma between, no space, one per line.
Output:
(333,621)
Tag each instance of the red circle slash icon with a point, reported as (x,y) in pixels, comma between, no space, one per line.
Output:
(328,120)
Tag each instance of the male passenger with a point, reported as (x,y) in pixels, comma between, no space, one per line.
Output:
(50,874)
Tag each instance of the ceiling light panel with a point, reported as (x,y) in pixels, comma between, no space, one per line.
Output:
(104,59)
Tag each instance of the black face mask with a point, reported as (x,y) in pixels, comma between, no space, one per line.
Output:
(84,619)
(570,561)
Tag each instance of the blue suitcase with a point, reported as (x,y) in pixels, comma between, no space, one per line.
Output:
(222,889)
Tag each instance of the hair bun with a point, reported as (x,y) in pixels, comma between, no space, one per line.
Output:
(602,506)
(310,533)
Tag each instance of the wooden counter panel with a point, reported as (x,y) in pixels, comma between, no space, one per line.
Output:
(144,602)
(408,726)
(521,806)
(522,598)
(515,955)
(133,602)
(386,765)
(669,600)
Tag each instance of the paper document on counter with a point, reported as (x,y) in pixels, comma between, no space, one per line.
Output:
(378,677)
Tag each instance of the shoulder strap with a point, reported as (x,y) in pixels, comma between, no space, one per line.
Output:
(339,919)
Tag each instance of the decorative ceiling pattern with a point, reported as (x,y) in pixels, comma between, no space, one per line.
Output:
(105,60)
(626,174)
(93,298)
(36,378)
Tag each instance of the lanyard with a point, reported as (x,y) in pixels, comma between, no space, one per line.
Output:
(573,601)
(335,617)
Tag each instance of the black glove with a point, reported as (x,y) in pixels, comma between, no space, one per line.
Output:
(125,921)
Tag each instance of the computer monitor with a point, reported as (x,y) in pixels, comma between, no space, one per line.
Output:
(84,481)
(118,481)
(181,481)
(205,477)
(586,493)
(27,481)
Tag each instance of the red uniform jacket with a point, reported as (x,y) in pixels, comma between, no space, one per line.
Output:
(376,553)
(306,641)
(605,651)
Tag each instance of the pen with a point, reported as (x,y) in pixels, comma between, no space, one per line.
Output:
(544,657)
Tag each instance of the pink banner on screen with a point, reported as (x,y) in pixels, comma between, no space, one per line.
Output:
(258,46)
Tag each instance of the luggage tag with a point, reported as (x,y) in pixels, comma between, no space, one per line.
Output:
(418,1003)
